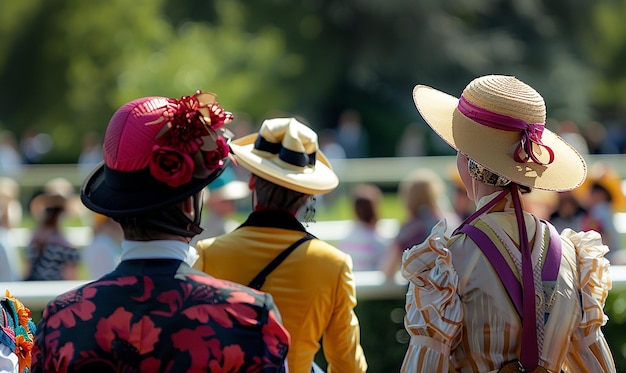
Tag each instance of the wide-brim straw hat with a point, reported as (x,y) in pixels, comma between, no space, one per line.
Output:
(503,97)
(286,152)
(57,193)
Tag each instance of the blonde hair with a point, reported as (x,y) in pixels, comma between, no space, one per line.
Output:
(422,188)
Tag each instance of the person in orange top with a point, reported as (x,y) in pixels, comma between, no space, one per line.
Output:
(314,285)
(601,195)
(506,292)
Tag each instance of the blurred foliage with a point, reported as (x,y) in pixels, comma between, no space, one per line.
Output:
(615,309)
(67,65)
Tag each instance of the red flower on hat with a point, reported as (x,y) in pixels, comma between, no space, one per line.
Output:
(171,166)
(215,158)
(190,122)
(218,116)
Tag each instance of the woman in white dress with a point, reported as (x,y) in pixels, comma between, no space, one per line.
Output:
(484,300)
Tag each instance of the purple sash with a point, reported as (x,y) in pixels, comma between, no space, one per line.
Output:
(522,295)
(513,287)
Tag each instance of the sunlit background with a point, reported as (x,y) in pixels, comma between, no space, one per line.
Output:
(67,65)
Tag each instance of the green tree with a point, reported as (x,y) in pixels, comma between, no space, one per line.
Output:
(96,56)
(77,61)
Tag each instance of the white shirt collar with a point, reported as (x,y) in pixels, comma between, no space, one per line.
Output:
(159,249)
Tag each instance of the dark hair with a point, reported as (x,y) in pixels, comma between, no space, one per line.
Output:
(365,211)
(137,229)
(275,196)
(600,188)
(167,220)
(51,216)
(366,198)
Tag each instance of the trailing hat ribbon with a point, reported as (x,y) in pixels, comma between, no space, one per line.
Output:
(529,354)
(299,159)
(531,132)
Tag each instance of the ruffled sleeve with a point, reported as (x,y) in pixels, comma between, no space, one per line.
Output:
(589,351)
(433,309)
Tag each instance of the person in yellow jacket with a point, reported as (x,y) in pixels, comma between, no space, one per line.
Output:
(313,286)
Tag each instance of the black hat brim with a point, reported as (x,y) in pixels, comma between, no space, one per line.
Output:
(136,192)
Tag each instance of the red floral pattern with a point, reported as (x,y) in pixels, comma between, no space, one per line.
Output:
(187,322)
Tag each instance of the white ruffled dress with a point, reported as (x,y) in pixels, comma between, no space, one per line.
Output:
(460,317)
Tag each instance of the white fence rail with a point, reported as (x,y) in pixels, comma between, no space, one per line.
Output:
(369,284)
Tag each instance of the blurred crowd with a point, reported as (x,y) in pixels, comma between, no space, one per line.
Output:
(425,197)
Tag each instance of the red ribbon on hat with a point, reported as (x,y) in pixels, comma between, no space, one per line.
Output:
(531,132)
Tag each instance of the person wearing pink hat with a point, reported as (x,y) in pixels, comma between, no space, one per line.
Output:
(506,292)
(154,312)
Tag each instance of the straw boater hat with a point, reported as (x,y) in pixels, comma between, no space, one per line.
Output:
(57,193)
(499,122)
(286,152)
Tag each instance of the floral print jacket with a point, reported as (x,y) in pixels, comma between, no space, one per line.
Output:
(160,315)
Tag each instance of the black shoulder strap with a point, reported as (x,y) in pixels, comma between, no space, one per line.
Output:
(259,279)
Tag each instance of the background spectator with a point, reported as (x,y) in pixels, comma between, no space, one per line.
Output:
(220,202)
(462,205)
(11,268)
(569,212)
(363,243)
(602,196)
(412,143)
(540,203)
(34,145)
(352,135)
(10,158)
(568,130)
(91,153)
(102,254)
(49,254)
(420,193)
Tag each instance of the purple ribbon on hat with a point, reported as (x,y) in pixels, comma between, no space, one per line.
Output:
(531,132)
